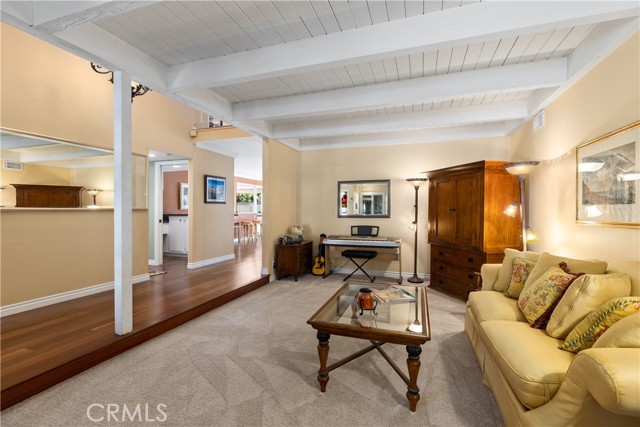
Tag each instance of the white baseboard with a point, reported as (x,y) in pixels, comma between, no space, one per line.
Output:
(154,262)
(20,307)
(211,261)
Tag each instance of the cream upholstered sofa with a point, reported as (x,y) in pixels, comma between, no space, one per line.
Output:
(534,382)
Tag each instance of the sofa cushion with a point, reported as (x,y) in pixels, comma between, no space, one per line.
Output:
(528,358)
(625,333)
(546,261)
(595,324)
(538,300)
(521,269)
(584,295)
(491,305)
(504,276)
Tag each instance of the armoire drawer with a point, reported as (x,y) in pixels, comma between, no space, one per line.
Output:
(457,257)
(449,285)
(459,273)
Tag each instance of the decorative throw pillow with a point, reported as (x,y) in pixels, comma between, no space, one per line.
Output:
(586,294)
(521,269)
(546,261)
(537,302)
(625,333)
(506,270)
(594,325)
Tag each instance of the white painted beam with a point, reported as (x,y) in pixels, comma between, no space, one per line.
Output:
(207,101)
(516,110)
(493,130)
(53,16)
(122,204)
(104,48)
(484,21)
(526,76)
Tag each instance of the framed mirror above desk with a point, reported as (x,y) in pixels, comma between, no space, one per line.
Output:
(364,199)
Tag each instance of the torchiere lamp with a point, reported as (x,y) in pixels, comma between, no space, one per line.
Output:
(93,192)
(521,170)
(416,183)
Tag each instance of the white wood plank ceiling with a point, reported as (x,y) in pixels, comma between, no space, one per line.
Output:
(321,74)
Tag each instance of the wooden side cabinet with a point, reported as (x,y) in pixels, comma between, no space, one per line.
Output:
(467,224)
(47,196)
(293,259)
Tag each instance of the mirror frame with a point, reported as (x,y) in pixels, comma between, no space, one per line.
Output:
(386,182)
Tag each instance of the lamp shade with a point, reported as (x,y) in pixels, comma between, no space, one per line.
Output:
(416,182)
(520,168)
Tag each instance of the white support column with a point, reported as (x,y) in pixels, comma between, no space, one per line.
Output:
(122,204)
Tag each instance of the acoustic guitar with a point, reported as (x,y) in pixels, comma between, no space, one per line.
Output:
(318,261)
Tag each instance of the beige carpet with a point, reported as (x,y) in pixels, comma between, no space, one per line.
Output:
(253,362)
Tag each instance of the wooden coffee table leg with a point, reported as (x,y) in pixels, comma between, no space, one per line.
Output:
(413,363)
(323,353)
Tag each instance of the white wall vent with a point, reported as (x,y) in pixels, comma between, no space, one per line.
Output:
(16,166)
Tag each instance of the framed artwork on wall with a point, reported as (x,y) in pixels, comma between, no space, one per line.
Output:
(184,196)
(215,189)
(608,179)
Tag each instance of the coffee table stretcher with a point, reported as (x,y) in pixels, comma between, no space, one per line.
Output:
(413,365)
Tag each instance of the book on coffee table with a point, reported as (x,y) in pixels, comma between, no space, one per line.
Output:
(392,295)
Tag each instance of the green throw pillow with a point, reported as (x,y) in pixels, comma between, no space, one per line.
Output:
(521,269)
(595,324)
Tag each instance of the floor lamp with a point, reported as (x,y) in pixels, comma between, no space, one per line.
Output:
(416,183)
(521,170)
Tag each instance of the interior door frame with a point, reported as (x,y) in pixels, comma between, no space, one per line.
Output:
(158,208)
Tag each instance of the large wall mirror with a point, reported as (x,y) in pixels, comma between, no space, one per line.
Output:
(37,160)
(367,199)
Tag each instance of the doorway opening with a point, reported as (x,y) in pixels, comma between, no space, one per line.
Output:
(169,207)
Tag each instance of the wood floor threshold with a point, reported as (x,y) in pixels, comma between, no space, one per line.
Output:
(41,382)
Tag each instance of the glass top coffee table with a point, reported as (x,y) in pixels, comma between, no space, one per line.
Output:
(405,322)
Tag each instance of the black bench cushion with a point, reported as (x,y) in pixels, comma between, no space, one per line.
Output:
(350,253)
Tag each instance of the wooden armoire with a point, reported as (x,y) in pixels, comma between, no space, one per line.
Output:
(467,223)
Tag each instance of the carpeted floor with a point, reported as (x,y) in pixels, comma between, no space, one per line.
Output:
(253,362)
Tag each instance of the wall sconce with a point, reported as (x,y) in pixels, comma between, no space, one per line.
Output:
(521,169)
(136,88)
(93,192)
(416,183)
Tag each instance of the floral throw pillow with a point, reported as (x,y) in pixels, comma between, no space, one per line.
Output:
(538,301)
(521,269)
(585,334)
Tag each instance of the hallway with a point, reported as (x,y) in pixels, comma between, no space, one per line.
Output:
(45,346)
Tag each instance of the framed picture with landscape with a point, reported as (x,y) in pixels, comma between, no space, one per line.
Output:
(215,189)
(608,179)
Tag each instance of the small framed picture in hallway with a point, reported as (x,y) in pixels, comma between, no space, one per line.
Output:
(215,189)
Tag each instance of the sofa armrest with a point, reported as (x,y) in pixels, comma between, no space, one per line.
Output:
(611,376)
(489,275)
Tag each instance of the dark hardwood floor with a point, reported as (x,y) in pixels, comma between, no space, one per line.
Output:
(43,347)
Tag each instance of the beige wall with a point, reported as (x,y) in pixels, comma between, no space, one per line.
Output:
(321,170)
(46,252)
(281,196)
(50,92)
(607,98)
(100,177)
